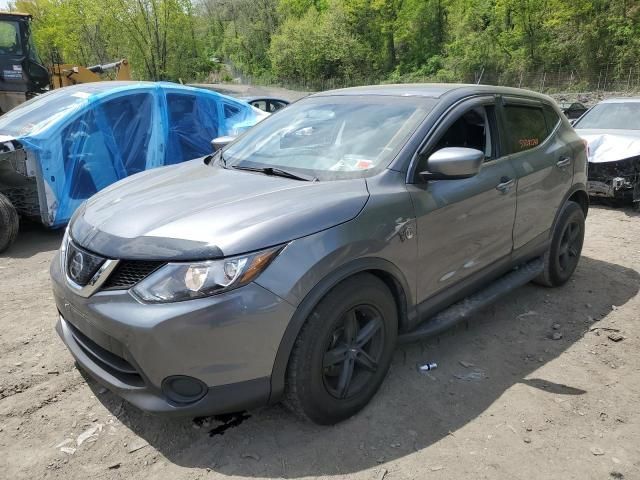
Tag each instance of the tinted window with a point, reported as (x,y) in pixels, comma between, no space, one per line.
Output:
(551,117)
(526,127)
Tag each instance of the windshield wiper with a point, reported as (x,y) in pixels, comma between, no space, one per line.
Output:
(277,172)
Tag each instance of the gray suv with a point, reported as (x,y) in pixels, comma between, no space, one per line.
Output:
(288,265)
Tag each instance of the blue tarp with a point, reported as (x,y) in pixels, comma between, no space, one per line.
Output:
(89,136)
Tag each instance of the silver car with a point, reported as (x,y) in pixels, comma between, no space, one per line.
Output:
(287,265)
(612,130)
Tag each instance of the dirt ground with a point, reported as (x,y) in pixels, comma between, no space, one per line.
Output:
(506,402)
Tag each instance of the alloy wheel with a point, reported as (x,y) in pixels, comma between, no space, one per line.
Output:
(570,246)
(353,352)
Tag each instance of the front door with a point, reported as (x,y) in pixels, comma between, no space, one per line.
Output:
(464,225)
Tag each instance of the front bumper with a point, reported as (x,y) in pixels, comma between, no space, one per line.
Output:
(228,342)
(618,180)
(618,188)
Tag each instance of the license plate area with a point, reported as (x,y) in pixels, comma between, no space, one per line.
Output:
(82,323)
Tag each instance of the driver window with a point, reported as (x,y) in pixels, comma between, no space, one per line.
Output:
(471,130)
(10,38)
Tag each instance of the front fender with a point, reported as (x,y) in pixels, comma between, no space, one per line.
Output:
(306,306)
(376,241)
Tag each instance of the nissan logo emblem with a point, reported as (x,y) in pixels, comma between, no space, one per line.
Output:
(76,265)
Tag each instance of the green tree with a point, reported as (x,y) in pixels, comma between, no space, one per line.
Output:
(346,40)
(318,45)
(157,36)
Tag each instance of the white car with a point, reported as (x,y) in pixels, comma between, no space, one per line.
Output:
(612,130)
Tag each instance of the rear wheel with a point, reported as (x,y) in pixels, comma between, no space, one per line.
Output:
(563,255)
(9,223)
(343,352)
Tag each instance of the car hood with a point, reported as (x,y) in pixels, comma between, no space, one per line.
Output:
(611,145)
(196,211)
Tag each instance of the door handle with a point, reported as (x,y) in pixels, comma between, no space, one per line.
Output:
(563,162)
(505,184)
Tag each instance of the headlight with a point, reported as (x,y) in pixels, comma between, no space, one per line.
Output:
(65,240)
(63,249)
(184,281)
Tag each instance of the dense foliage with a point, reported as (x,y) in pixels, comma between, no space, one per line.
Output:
(162,39)
(350,40)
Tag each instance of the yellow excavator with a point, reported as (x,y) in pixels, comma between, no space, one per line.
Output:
(24,75)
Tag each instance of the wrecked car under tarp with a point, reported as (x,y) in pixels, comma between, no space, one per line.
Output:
(60,148)
(612,130)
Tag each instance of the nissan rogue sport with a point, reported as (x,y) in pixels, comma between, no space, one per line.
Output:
(288,264)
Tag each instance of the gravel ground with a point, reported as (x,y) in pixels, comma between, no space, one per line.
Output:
(507,401)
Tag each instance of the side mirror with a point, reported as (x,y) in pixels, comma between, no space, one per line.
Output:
(452,163)
(220,142)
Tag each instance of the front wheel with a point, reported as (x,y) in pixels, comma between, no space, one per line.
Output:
(563,255)
(9,223)
(343,352)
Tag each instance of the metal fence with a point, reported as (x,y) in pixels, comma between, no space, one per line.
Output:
(609,78)
(606,79)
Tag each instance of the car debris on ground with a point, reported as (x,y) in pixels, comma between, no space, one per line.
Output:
(427,367)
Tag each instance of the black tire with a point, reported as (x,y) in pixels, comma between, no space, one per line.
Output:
(323,355)
(563,255)
(9,223)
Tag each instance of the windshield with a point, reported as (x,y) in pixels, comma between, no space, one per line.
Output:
(10,38)
(331,137)
(617,116)
(40,112)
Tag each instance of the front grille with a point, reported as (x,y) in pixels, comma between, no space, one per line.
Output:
(130,272)
(112,363)
(604,171)
(81,265)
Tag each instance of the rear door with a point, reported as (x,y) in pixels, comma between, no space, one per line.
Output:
(464,225)
(543,163)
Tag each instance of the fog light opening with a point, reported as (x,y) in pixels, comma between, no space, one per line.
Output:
(183,389)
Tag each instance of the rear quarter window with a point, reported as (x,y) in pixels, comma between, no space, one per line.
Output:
(526,127)
(551,117)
